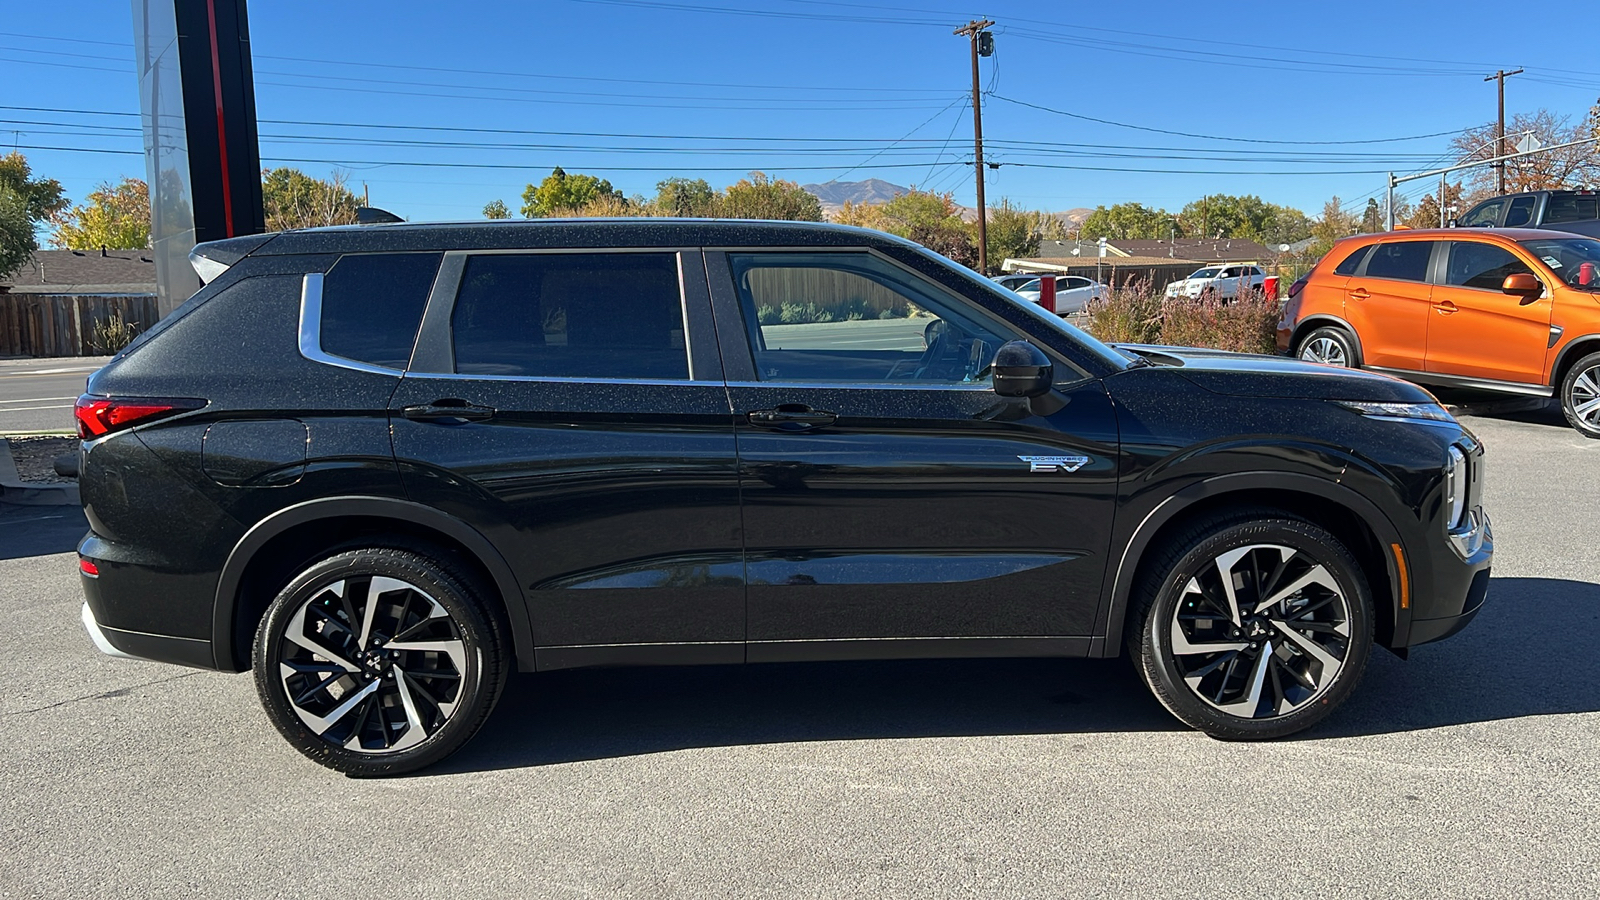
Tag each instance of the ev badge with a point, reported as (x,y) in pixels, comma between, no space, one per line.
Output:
(1055,463)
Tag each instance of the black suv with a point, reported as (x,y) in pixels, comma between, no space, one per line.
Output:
(383,466)
(1576,211)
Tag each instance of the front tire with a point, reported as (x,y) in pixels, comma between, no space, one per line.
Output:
(1253,627)
(378,661)
(1580,396)
(1331,346)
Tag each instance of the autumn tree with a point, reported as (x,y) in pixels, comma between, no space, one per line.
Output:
(1565,168)
(1013,233)
(560,193)
(16,232)
(496,209)
(1426,214)
(116,216)
(42,197)
(1129,221)
(760,197)
(932,220)
(293,199)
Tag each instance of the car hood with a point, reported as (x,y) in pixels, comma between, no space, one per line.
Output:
(1253,375)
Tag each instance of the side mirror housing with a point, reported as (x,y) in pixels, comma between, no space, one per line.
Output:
(1522,284)
(1022,370)
(1453,223)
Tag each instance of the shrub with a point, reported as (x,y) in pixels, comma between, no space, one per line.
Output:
(1132,314)
(1247,324)
(111,334)
(769,315)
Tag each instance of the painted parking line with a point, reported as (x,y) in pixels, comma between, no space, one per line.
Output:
(38,400)
(7,409)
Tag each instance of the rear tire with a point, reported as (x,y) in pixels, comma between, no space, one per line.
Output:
(1331,346)
(1580,396)
(379,661)
(1253,626)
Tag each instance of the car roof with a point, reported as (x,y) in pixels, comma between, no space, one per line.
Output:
(578,233)
(1509,234)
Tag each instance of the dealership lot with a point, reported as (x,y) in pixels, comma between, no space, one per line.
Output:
(1468,770)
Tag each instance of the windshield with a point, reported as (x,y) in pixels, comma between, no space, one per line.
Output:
(1206,273)
(1028,286)
(1576,261)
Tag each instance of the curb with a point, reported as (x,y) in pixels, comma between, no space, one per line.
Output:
(17,492)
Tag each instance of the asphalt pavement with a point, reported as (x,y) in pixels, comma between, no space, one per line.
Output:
(36,395)
(1468,771)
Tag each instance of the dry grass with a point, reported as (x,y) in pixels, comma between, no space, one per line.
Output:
(1137,313)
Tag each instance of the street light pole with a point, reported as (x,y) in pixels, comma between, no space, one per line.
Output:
(973,30)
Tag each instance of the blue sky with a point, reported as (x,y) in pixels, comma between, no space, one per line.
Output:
(639,90)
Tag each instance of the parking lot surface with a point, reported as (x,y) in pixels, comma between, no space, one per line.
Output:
(37,394)
(1469,770)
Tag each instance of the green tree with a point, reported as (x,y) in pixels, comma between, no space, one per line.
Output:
(496,209)
(294,199)
(932,220)
(560,193)
(686,197)
(759,197)
(16,232)
(1129,221)
(1013,233)
(116,216)
(41,196)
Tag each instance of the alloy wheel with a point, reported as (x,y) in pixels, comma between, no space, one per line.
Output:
(1584,397)
(1326,350)
(372,664)
(1261,632)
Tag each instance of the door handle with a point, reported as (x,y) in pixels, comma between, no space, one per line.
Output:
(1360,293)
(1445,307)
(791,417)
(448,408)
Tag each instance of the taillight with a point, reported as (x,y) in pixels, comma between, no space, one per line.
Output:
(99,416)
(1298,286)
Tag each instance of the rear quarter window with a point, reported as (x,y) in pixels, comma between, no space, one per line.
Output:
(372,305)
(1351,263)
(1400,260)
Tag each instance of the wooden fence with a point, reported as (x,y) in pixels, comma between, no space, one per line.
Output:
(60,325)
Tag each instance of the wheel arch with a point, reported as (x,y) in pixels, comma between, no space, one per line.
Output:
(277,546)
(1353,519)
(1576,349)
(1319,320)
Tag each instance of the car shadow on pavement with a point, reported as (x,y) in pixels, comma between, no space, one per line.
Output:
(1529,653)
(39,530)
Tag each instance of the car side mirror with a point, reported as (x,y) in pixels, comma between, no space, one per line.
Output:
(1524,285)
(1453,223)
(1021,370)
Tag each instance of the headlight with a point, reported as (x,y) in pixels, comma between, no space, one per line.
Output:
(1428,412)
(1455,488)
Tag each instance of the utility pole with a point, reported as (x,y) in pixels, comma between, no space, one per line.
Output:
(982,45)
(1500,129)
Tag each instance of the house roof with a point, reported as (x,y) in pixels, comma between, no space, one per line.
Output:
(85,271)
(1055,264)
(1202,249)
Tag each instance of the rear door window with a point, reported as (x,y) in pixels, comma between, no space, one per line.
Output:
(1482,266)
(1520,213)
(372,304)
(1400,260)
(571,315)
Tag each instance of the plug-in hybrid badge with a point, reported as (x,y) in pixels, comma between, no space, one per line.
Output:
(1055,463)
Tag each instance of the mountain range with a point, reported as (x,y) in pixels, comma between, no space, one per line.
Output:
(834,194)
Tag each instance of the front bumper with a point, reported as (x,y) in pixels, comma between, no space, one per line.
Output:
(1461,567)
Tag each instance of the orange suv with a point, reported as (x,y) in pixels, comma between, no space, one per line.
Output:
(1513,310)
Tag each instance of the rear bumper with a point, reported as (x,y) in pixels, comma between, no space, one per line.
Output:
(125,644)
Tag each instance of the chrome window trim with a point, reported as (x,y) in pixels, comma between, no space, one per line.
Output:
(561,379)
(865,385)
(311,331)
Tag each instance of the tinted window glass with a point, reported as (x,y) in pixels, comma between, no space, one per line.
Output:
(372,305)
(1401,260)
(1575,261)
(1572,208)
(575,315)
(1520,212)
(1484,215)
(1484,266)
(1352,262)
(851,317)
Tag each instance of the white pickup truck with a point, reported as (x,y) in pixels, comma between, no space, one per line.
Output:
(1223,280)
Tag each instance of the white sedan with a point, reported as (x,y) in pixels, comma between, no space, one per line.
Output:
(1073,293)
